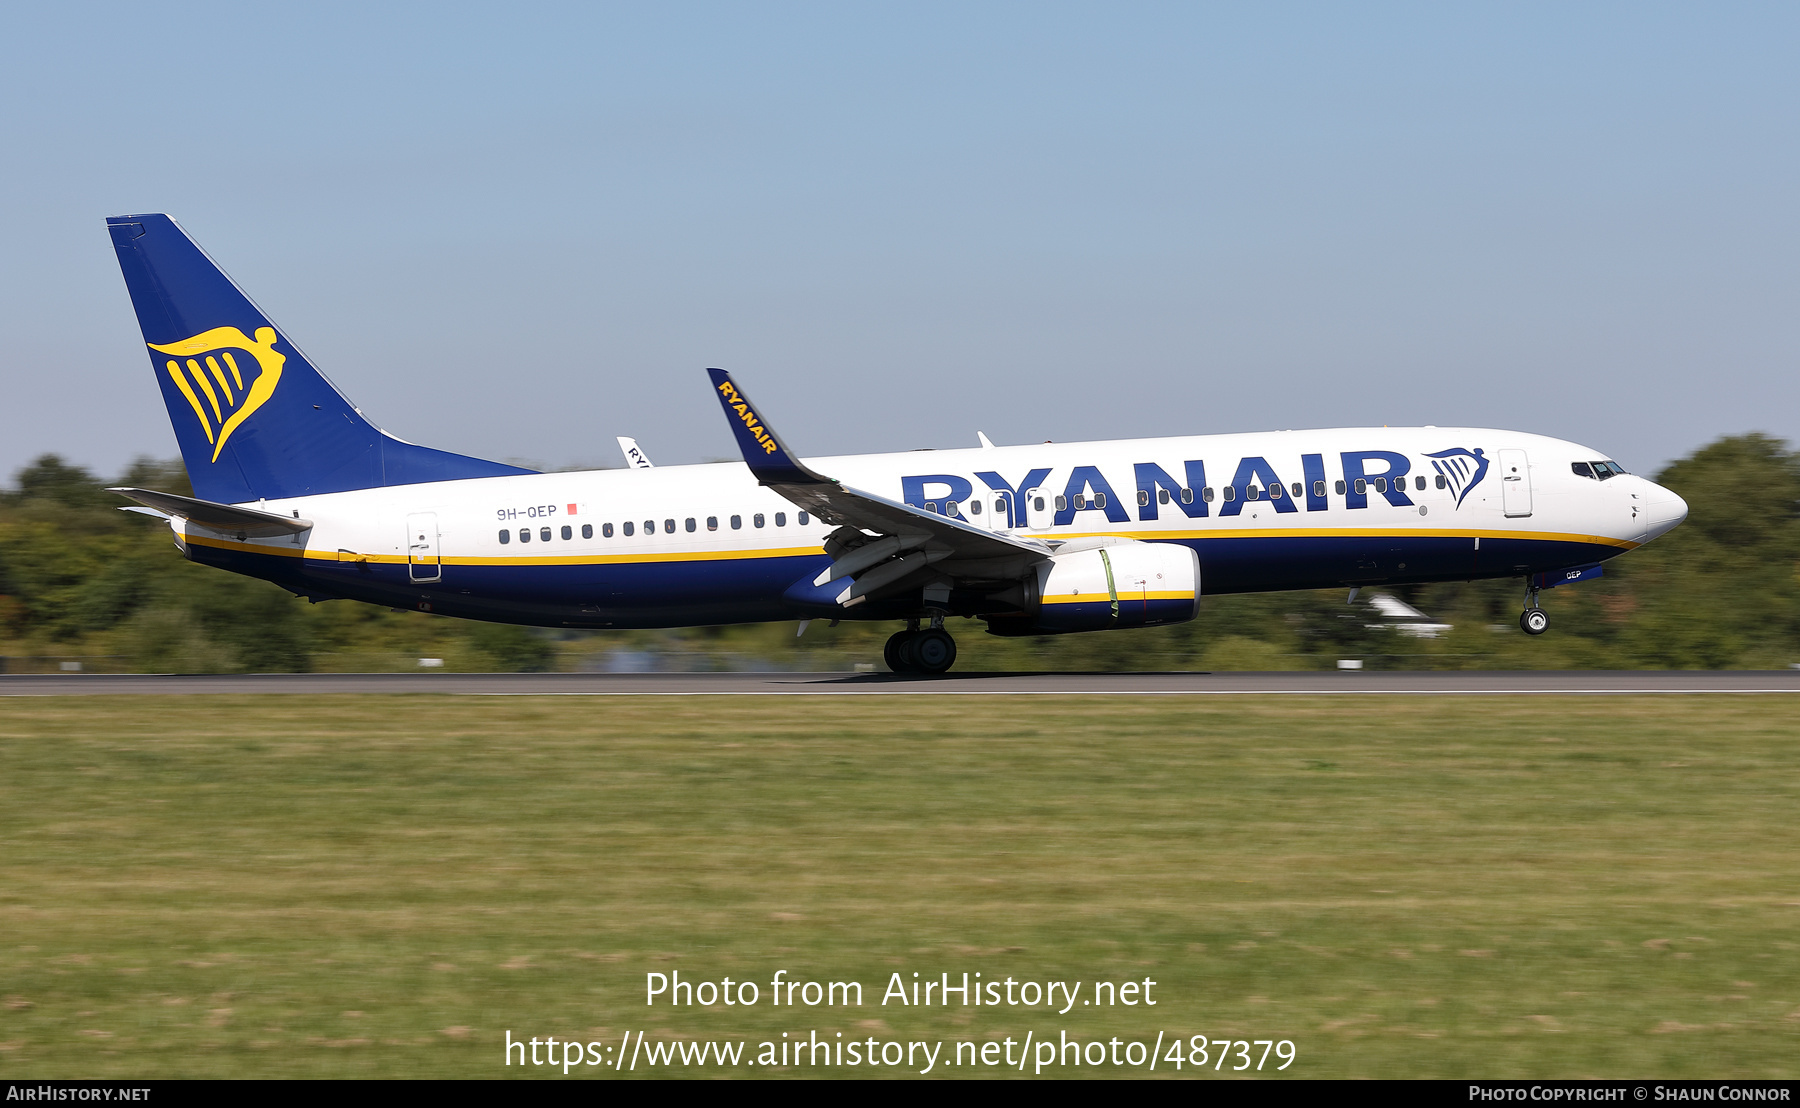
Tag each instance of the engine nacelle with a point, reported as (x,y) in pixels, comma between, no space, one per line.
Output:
(1128,584)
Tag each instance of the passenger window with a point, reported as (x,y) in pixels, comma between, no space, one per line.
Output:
(1340,488)
(524,534)
(1419,483)
(1229,491)
(505,537)
(1144,498)
(587,530)
(1381,485)
(1037,503)
(1582,469)
(1099,500)
(931,506)
(803,519)
(1080,502)
(737,523)
(1162,496)
(1298,493)
(606,530)
(668,527)
(1206,494)
(1441,483)
(544,533)
(1062,503)
(628,528)
(974,507)
(649,527)
(712,523)
(949,510)
(568,532)
(756,520)
(689,525)
(1252,492)
(781,519)
(1319,489)
(1362,487)
(1274,492)
(1187,496)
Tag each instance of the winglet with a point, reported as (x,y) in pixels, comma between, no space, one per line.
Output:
(767,456)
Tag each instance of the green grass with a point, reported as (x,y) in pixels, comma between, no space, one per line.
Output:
(349,886)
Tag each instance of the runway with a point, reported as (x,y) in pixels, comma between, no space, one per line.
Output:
(1510,683)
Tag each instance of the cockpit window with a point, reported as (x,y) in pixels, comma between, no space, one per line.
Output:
(1600,471)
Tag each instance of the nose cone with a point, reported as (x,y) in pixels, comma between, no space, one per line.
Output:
(1663,511)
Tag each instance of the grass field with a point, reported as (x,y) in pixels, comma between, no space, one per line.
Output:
(349,886)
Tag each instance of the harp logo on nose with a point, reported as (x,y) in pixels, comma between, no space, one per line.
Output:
(222,387)
(1463,469)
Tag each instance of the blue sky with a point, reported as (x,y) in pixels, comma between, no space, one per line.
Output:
(517,231)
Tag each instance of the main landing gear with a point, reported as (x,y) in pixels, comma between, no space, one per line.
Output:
(1533,620)
(931,651)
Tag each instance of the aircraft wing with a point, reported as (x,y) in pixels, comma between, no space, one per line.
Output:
(905,539)
(218,517)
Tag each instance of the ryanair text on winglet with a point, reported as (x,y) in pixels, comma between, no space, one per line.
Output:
(736,402)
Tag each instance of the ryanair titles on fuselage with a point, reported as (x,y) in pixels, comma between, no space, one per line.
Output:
(1383,473)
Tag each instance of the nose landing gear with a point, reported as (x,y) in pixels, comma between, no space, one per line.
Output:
(1533,620)
(930,652)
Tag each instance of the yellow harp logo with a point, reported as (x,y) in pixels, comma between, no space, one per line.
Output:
(206,363)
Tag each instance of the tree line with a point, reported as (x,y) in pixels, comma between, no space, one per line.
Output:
(81,579)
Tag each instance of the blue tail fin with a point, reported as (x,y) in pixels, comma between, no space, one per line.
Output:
(253,417)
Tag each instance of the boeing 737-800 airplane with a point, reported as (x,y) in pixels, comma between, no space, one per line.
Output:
(293,484)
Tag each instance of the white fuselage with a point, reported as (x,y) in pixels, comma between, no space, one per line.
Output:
(706,544)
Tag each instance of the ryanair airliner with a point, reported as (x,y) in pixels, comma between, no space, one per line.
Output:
(294,484)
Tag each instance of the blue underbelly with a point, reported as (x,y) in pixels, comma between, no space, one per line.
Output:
(680,593)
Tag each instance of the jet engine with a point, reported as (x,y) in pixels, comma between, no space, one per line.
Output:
(1121,584)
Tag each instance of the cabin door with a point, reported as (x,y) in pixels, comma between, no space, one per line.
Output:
(1515,483)
(1036,508)
(422,562)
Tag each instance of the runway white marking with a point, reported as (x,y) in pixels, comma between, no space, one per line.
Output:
(1509,683)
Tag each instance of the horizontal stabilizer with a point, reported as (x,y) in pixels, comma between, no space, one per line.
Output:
(218,517)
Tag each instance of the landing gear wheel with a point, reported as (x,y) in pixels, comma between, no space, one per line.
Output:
(932,651)
(897,652)
(1533,621)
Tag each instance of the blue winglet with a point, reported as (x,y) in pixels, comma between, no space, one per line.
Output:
(766,455)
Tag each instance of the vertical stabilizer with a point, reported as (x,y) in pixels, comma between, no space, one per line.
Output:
(252,415)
